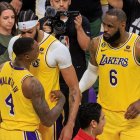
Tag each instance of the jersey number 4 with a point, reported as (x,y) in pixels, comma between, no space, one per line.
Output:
(113,77)
(9,103)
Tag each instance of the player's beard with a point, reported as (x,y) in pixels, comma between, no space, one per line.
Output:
(114,38)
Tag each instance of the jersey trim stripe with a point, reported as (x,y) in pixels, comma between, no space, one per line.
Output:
(29,75)
(38,138)
(122,44)
(46,54)
(44,40)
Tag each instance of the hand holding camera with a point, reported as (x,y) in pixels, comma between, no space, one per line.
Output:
(53,19)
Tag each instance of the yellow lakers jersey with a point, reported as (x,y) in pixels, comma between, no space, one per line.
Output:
(48,76)
(16,110)
(119,75)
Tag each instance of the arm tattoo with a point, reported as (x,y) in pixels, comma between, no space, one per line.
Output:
(47,116)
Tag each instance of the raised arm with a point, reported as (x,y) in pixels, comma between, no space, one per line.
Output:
(32,89)
(83,31)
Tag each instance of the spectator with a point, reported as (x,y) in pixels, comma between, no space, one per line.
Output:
(7,29)
(93,11)
(22,4)
(92,121)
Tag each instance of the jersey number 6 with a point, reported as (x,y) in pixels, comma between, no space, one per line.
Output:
(113,78)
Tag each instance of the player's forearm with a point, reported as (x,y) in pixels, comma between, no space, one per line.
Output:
(74,102)
(55,112)
(116,3)
(89,77)
(83,39)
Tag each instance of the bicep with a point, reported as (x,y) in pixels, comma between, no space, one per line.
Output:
(33,90)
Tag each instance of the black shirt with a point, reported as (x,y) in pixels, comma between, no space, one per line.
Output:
(89,8)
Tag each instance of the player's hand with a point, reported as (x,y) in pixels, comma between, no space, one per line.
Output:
(78,22)
(133,110)
(17,4)
(47,28)
(56,95)
(66,133)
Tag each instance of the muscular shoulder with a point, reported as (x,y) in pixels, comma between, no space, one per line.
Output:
(58,54)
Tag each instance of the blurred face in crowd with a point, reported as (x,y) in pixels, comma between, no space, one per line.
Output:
(7,20)
(60,5)
(112,28)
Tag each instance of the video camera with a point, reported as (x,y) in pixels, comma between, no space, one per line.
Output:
(53,19)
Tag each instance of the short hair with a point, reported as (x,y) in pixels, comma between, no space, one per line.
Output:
(88,112)
(27,16)
(23,45)
(120,14)
(6,6)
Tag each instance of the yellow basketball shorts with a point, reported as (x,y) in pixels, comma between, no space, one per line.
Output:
(119,128)
(53,132)
(47,133)
(19,135)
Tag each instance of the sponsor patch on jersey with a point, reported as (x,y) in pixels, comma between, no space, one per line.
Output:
(36,63)
(41,50)
(103,44)
(127,49)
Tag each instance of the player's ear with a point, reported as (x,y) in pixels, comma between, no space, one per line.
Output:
(123,24)
(26,56)
(93,124)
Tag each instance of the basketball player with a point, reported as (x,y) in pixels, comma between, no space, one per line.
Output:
(22,97)
(53,56)
(115,56)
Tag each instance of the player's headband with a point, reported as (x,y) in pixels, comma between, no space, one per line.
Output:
(27,24)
